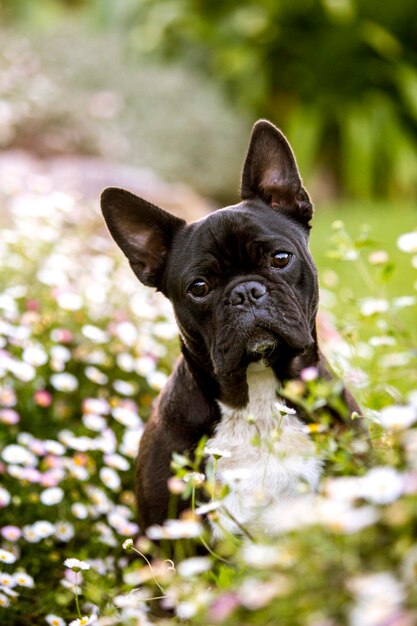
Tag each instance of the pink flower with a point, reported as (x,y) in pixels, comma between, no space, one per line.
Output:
(37,447)
(31,474)
(32,305)
(61,335)
(7,397)
(11,533)
(52,461)
(309,373)
(9,416)
(42,398)
(222,607)
(52,478)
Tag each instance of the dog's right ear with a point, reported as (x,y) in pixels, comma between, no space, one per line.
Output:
(270,173)
(143,231)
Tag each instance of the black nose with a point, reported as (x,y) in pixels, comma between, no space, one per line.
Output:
(248,293)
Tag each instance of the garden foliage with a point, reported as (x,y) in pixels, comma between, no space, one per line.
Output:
(71,91)
(338,76)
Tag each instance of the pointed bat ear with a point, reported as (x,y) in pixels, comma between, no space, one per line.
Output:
(144,232)
(270,173)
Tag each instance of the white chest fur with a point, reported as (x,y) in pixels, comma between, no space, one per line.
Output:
(271,457)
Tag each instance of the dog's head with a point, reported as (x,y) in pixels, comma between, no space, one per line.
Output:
(241,280)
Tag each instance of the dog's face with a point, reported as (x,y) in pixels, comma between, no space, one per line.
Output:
(243,286)
(242,281)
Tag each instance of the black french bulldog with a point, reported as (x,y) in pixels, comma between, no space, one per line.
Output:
(245,294)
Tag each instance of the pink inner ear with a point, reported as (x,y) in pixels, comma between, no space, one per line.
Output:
(148,247)
(140,239)
(280,195)
(281,190)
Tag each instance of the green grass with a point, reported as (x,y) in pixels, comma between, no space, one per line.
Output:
(386,223)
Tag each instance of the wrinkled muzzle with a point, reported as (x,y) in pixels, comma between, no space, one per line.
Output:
(256,322)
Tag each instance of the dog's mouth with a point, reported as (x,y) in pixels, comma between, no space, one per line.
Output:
(261,347)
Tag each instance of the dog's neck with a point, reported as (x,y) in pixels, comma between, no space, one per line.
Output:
(262,385)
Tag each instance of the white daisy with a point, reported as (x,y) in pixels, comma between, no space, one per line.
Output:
(124,387)
(94,422)
(64,382)
(51,496)
(35,355)
(22,579)
(64,531)
(96,405)
(217,453)
(30,534)
(15,453)
(7,557)
(283,408)
(79,510)
(76,565)
(7,580)
(43,529)
(371,306)
(110,478)
(382,485)
(126,417)
(117,462)
(96,375)
(84,621)
(95,334)
(4,600)
(194,566)
(175,529)
(408,242)
(54,620)
(5,497)
(397,417)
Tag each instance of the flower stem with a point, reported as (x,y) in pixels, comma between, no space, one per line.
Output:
(217,556)
(193,499)
(77,603)
(239,525)
(150,567)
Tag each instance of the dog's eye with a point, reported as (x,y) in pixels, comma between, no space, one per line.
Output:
(199,288)
(280,259)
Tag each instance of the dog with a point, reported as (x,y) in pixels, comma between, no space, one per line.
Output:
(244,289)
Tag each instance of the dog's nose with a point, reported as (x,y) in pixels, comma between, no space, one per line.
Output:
(251,292)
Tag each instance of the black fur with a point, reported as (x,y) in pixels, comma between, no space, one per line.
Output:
(252,309)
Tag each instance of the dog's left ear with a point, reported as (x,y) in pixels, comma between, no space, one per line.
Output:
(270,173)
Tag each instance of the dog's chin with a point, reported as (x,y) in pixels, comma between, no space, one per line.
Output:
(260,345)
(263,347)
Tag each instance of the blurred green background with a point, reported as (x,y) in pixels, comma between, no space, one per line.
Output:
(175,86)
